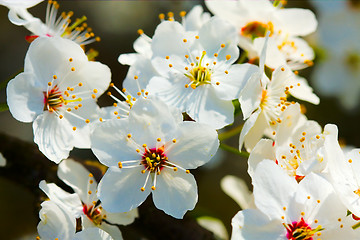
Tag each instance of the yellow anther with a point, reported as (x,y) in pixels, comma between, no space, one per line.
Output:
(284,208)
(350,161)
(161,16)
(61,116)
(95,90)
(302,213)
(100,119)
(184,40)
(182,14)
(129,135)
(228,57)
(317,137)
(74,128)
(137,150)
(226,72)
(140,31)
(186,56)
(153,188)
(167,57)
(72,69)
(158,139)
(69,109)
(87,120)
(215,55)
(282,69)
(80,105)
(143,171)
(222,45)
(70,59)
(108,93)
(111,85)
(193,86)
(120,164)
(116,113)
(170,65)
(94,96)
(144,145)
(136,77)
(187,171)
(175,169)
(49,84)
(142,189)
(170,14)
(186,68)
(174,140)
(54,77)
(197,37)
(98,39)
(217,83)
(91,181)
(186,85)
(80,84)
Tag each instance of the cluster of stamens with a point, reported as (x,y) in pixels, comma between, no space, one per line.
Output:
(94,212)
(257,29)
(152,160)
(122,108)
(301,230)
(60,101)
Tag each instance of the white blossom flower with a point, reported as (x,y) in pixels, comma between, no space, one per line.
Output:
(344,170)
(254,18)
(53,26)
(140,62)
(237,189)
(84,202)
(263,100)
(288,210)
(197,75)
(57,223)
(151,150)
(298,146)
(57,92)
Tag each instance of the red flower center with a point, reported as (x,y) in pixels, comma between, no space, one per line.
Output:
(154,159)
(300,230)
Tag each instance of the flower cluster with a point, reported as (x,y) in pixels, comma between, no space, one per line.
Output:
(184,84)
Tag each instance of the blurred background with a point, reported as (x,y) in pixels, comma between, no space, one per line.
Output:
(335,77)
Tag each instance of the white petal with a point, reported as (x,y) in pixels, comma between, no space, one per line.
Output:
(214,225)
(248,125)
(237,189)
(93,234)
(50,56)
(232,83)
(216,32)
(195,18)
(142,45)
(20,3)
(2,160)
(304,91)
(119,190)
(195,145)
(144,70)
(274,58)
(76,176)
(253,224)
(25,100)
(273,189)
(176,192)
(123,218)
(250,95)
(129,58)
(205,107)
(110,144)
(112,230)
(63,199)
(53,136)
(297,22)
(264,149)
(56,222)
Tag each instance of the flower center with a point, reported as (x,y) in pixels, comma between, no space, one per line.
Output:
(300,230)
(154,159)
(93,212)
(264,98)
(199,74)
(257,29)
(53,99)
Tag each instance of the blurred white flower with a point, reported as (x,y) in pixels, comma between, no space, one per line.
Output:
(57,92)
(254,18)
(337,73)
(237,189)
(151,150)
(2,160)
(288,210)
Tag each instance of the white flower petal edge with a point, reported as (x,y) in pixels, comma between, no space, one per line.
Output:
(55,222)
(237,189)
(93,234)
(58,91)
